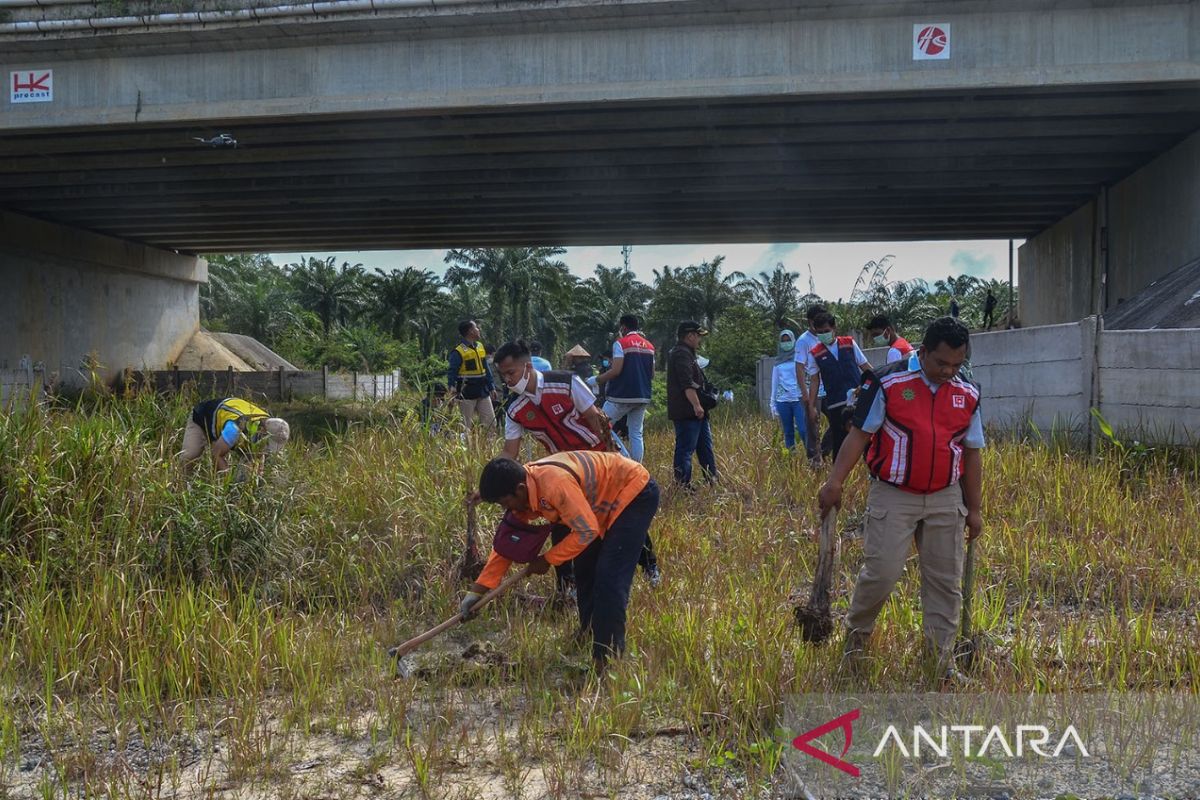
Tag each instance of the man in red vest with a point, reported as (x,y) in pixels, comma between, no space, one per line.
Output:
(558,410)
(922,433)
(881,333)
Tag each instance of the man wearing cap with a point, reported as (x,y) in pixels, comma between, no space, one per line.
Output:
(920,427)
(230,424)
(685,384)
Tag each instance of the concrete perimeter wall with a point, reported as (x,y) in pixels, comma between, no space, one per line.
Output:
(71,295)
(1145,383)
(280,384)
(1151,221)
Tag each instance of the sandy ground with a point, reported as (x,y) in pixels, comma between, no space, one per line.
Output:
(205,352)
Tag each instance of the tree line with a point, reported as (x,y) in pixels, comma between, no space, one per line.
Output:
(318,312)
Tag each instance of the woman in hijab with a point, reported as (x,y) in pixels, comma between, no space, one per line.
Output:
(787,404)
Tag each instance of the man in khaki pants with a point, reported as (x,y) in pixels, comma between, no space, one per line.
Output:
(920,427)
(470,379)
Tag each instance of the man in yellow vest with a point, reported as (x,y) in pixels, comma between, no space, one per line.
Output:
(469,379)
(229,424)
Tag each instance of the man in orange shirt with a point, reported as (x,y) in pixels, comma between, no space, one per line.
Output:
(607,501)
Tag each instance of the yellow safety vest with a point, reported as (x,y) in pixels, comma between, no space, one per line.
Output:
(242,413)
(474,360)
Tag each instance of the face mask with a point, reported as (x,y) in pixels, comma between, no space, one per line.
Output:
(521,385)
(881,339)
(787,345)
(825,338)
(703,362)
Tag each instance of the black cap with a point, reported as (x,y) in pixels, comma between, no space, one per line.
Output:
(689,326)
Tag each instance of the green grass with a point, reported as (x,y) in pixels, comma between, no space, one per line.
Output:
(249,621)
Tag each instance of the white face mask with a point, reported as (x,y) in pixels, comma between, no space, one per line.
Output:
(703,362)
(526,378)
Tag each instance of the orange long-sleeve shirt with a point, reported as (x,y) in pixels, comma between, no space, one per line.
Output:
(587,499)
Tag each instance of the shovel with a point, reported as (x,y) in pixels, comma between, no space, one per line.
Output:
(969,644)
(815,619)
(405,669)
(471,563)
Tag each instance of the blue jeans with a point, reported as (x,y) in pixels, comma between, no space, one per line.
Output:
(693,436)
(793,416)
(604,574)
(635,416)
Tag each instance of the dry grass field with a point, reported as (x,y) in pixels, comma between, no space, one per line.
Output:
(228,640)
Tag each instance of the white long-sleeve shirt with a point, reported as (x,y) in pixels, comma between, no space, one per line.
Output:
(783,383)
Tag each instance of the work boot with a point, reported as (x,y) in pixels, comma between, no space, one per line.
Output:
(938,662)
(952,680)
(854,651)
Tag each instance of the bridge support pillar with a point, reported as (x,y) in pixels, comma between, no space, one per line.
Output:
(1128,236)
(70,298)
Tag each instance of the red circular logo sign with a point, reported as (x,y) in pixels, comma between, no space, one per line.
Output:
(931,40)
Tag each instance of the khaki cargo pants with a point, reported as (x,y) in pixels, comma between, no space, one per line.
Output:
(477,412)
(894,520)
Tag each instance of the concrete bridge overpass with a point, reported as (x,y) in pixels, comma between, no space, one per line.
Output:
(415,124)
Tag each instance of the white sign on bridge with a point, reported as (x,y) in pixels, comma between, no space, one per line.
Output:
(31,86)
(931,41)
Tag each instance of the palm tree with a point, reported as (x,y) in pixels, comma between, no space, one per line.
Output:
(398,295)
(247,294)
(775,294)
(506,274)
(714,293)
(334,293)
(601,300)
(907,304)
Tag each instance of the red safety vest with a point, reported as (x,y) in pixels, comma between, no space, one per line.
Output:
(919,447)
(554,421)
(902,345)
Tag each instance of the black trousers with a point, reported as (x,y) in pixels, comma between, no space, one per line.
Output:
(604,574)
(564,574)
(838,419)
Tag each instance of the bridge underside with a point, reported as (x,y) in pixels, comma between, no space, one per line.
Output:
(938,165)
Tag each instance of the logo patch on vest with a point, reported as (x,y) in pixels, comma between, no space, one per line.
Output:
(958,401)
(530,416)
(556,408)
(909,394)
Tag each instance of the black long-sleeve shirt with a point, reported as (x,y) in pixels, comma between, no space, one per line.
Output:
(683,373)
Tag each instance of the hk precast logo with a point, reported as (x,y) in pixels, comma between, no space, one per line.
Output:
(932,40)
(971,741)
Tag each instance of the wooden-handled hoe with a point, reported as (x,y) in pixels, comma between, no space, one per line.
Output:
(404,669)
(816,618)
(969,644)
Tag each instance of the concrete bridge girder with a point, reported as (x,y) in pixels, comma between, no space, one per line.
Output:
(581,122)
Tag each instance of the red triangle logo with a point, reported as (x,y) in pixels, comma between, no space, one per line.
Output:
(845,723)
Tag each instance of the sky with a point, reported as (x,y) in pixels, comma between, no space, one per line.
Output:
(833,266)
